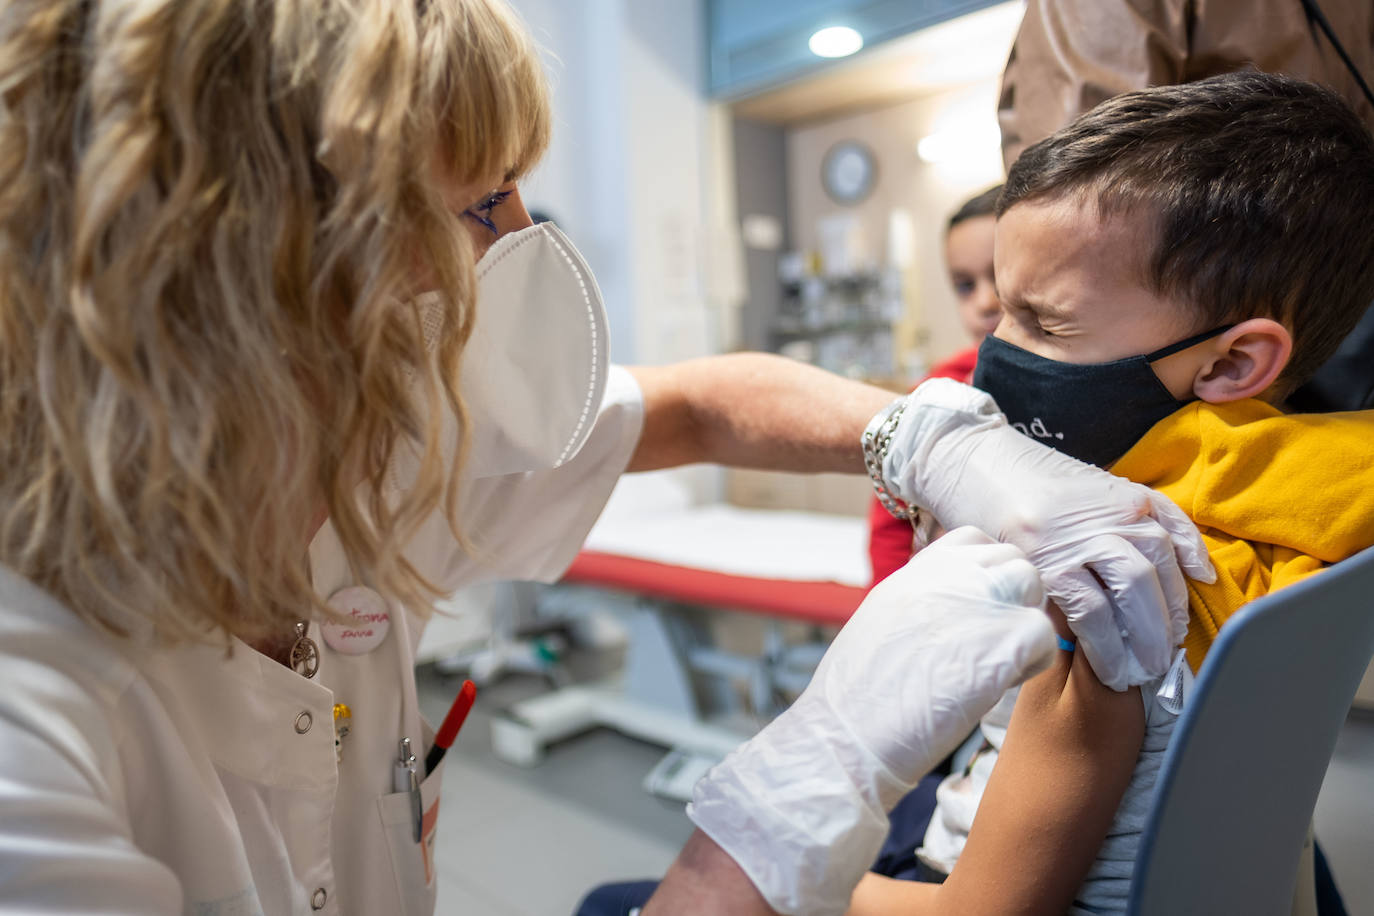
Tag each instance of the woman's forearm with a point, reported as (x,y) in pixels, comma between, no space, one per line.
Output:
(753,410)
(705,880)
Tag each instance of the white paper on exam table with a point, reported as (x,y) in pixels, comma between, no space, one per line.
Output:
(649,517)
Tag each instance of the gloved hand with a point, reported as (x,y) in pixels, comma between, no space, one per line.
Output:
(1108,550)
(802,807)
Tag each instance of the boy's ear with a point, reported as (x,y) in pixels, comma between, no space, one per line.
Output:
(1244,361)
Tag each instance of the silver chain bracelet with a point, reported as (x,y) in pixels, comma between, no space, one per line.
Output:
(876,439)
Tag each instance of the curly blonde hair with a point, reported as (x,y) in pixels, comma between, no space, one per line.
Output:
(212,214)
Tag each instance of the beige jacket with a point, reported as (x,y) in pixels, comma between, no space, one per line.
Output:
(1072,54)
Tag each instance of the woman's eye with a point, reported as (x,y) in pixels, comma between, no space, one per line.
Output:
(482,212)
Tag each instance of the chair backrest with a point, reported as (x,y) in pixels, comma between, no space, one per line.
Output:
(1240,780)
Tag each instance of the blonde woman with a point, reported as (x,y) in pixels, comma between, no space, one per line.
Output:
(282,359)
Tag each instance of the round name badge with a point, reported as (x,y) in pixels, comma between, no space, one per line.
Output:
(368,622)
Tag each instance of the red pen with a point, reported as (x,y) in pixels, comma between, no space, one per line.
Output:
(457,713)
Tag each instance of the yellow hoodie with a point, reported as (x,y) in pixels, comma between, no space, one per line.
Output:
(1277,497)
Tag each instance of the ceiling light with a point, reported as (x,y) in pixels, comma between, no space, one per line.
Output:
(835,41)
(960,140)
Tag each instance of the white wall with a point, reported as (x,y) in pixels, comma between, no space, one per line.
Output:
(629,175)
(929,192)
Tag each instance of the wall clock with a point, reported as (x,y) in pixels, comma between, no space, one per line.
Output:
(849,172)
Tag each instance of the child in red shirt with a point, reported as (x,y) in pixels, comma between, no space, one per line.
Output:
(968,256)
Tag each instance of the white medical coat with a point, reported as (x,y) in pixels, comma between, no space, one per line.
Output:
(135,780)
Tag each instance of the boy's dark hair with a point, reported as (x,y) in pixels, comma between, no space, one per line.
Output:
(984,204)
(1261,188)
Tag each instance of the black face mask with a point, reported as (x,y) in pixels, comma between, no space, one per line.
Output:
(1094,412)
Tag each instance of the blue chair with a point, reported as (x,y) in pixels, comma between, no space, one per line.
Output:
(1240,779)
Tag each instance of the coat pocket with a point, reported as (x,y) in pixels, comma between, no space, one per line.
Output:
(412,862)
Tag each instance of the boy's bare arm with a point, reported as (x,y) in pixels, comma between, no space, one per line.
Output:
(1064,766)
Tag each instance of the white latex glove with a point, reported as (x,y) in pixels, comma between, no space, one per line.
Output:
(1108,550)
(802,807)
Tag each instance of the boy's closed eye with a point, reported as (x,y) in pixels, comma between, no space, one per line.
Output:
(1032,318)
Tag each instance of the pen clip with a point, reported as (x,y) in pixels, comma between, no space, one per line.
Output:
(410,782)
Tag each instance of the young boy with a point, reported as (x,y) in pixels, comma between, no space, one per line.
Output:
(1171,265)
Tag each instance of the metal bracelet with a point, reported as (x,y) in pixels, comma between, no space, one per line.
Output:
(876,439)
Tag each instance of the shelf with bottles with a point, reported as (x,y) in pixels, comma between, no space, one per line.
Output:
(841,322)
(784,330)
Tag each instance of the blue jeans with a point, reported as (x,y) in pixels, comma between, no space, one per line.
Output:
(616,899)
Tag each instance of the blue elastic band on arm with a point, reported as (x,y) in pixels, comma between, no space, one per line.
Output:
(1064,644)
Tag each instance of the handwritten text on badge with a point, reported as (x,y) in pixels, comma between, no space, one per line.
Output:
(368,622)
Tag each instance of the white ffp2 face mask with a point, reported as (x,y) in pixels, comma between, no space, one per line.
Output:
(534,369)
